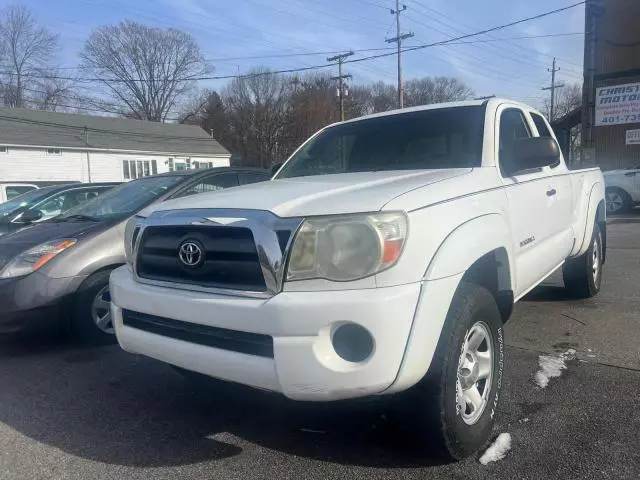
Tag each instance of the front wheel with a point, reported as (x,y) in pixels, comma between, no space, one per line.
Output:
(91,319)
(453,408)
(583,275)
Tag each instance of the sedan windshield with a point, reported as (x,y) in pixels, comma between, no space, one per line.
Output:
(425,139)
(124,200)
(25,200)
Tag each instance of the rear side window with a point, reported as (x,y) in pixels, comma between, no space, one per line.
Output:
(212,183)
(246,178)
(15,190)
(541,125)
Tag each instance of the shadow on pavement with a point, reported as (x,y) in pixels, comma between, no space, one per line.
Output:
(108,406)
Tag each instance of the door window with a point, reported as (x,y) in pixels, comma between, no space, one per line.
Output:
(211,183)
(513,127)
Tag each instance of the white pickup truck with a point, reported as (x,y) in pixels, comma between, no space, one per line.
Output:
(382,258)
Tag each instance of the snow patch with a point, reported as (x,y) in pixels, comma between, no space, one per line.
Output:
(552,366)
(498,449)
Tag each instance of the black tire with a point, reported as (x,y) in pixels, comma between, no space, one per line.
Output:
(431,408)
(581,277)
(620,196)
(82,322)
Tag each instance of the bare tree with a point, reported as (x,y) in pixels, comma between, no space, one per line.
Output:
(568,98)
(55,92)
(146,70)
(25,50)
(424,91)
(257,106)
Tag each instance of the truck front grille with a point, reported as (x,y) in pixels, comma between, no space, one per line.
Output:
(228,257)
(242,342)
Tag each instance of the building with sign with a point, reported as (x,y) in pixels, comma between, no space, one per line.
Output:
(611,106)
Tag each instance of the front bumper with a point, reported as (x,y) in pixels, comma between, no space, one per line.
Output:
(304,365)
(32,301)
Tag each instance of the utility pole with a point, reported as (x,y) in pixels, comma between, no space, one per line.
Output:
(295,82)
(398,40)
(553,89)
(86,143)
(341,77)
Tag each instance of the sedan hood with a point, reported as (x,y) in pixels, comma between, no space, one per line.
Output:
(317,195)
(22,240)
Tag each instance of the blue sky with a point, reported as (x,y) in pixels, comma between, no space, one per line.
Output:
(226,30)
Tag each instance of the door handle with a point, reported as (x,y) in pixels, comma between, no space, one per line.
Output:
(630,174)
(551,193)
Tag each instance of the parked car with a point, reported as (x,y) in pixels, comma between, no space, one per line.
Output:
(383,258)
(44,203)
(63,265)
(12,190)
(623,189)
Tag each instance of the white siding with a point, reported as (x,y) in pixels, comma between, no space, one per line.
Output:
(33,164)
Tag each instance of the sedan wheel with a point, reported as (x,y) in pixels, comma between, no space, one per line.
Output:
(101,310)
(615,202)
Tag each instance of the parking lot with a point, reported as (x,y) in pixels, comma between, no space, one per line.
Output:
(68,412)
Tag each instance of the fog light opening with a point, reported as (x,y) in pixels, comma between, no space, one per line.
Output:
(352,342)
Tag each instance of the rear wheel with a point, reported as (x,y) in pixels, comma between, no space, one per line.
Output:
(92,314)
(452,409)
(583,275)
(618,201)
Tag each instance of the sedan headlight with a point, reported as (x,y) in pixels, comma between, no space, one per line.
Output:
(36,257)
(349,247)
(130,233)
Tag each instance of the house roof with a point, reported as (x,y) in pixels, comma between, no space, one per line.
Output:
(38,128)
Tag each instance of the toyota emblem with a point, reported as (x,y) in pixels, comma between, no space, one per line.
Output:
(190,254)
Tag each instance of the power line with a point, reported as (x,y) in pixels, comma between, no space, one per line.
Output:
(437,12)
(356,50)
(317,67)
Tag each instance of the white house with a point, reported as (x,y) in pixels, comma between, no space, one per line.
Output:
(38,146)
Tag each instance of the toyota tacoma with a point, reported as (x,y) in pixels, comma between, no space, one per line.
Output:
(383,258)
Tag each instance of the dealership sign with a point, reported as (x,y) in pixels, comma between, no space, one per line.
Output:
(618,104)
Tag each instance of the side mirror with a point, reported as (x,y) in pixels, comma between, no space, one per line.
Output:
(275,167)
(31,216)
(530,154)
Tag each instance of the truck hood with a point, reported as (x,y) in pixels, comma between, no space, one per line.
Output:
(316,195)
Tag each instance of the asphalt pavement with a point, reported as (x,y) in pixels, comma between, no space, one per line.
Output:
(68,412)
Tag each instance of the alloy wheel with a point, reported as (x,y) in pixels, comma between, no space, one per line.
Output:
(101,310)
(475,373)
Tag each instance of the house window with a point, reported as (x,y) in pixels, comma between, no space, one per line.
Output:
(4,149)
(132,169)
(54,151)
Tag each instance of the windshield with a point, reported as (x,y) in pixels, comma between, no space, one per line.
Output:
(25,200)
(427,139)
(124,200)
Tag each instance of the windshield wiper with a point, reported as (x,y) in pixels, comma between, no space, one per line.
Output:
(77,217)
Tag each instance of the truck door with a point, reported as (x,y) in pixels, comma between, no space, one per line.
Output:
(531,197)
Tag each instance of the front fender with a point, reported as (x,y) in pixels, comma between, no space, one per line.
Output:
(460,250)
(469,242)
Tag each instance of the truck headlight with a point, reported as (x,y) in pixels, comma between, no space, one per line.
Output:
(347,247)
(130,234)
(35,258)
